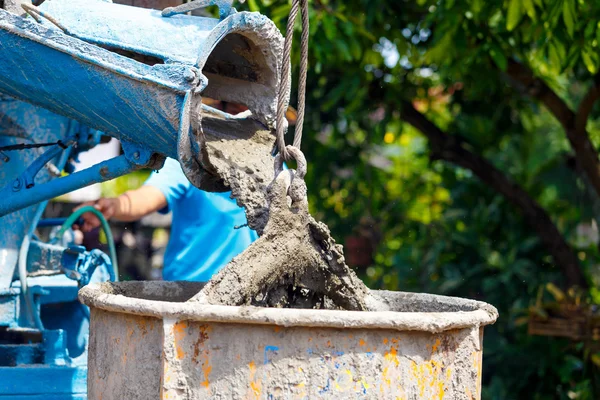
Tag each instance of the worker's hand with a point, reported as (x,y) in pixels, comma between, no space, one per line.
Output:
(108,208)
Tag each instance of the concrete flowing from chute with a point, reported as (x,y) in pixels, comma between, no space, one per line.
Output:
(295,262)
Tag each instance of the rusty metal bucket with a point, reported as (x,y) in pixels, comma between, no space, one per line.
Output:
(146,342)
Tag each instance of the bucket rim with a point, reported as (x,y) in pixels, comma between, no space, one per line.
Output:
(98,295)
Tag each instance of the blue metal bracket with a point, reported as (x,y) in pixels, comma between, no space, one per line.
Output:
(74,261)
(139,155)
(101,172)
(44,256)
(27,178)
(80,265)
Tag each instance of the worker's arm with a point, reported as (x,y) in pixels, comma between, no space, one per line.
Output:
(130,206)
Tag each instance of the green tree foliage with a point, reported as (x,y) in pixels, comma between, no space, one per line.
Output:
(460,139)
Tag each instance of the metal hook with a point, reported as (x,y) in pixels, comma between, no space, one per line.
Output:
(297,155)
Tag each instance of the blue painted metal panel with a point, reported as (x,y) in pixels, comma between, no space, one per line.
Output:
(144,31)
(44,70)
(66,321)
(43,380)
(126,98)
(74,396)
(57,288)
(46,257)
(9,313)
(80,396)
(21,122)
(20,354)
(72,318)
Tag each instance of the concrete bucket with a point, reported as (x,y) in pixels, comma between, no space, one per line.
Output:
(147,342)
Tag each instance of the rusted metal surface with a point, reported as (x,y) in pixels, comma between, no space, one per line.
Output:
(148,343)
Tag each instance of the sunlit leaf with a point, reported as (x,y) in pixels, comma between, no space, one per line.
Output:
(554,56)
(529,8)
(515,13)
(252,5)
(569,16)
(558,294)
(590,59)
(477,6)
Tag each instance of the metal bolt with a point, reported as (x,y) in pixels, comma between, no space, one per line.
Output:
(17,185)
(190,75)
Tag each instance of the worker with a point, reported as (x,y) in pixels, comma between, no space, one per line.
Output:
(207,229)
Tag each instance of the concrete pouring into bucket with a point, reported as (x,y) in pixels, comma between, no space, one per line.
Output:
(285,319)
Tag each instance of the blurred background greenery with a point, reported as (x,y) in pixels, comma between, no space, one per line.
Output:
(453,148)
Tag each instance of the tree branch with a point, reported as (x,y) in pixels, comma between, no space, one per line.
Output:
(523,78)
(449,148)
(574,125)
(586,106)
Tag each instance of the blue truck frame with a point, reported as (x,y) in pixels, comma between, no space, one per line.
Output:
(71,71)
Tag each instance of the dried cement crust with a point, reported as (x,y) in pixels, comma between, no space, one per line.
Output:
(406,311)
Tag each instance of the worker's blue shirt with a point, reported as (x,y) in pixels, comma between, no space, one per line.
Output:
(203,235)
